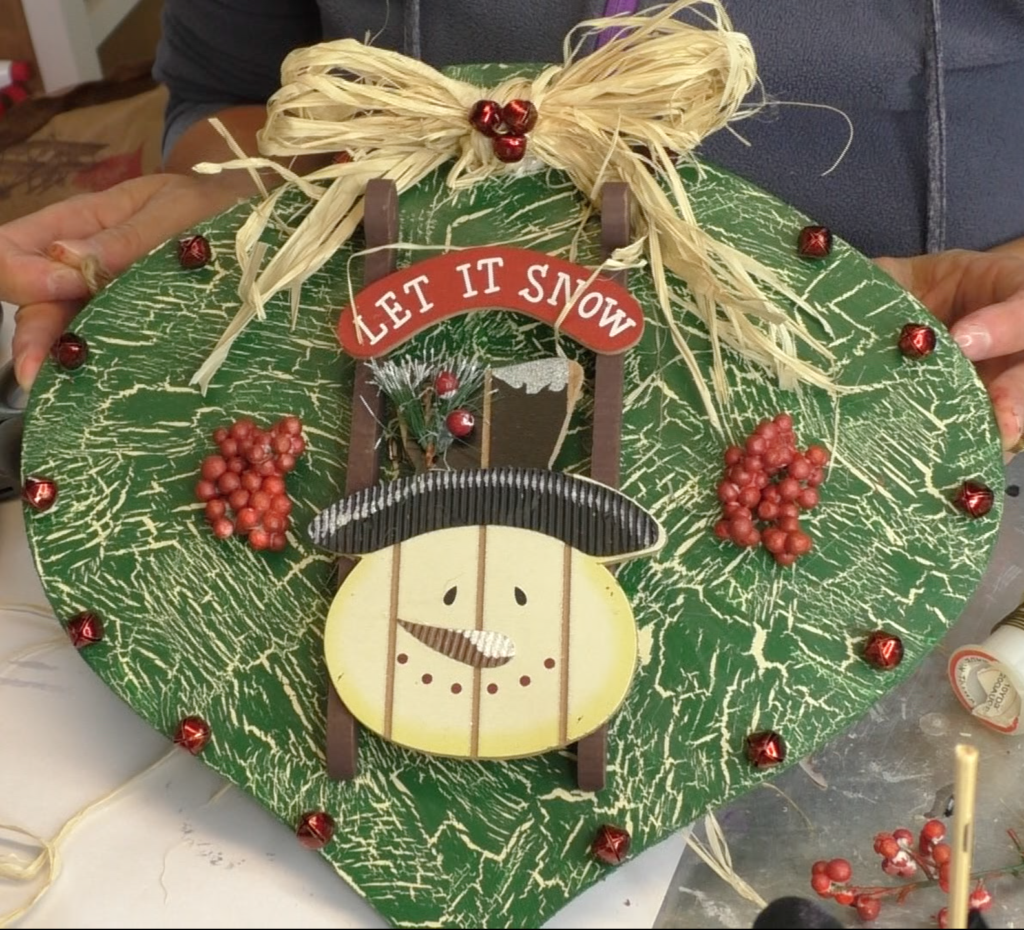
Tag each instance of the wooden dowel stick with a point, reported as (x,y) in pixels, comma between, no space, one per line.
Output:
(964,790)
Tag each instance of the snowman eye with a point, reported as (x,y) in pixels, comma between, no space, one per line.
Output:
(520,597)
(449,596)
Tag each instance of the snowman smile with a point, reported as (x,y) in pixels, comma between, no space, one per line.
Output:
(475,648)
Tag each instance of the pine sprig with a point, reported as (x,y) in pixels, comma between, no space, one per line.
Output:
(420,411)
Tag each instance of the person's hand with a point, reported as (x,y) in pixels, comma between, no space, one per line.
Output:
(980,297)
(53,260)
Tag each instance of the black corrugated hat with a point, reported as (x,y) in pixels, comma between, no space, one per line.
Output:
(584,514)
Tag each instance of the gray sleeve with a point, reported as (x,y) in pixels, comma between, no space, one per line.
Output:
(214,54)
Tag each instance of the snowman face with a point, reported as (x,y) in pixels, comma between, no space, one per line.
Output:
(481,642)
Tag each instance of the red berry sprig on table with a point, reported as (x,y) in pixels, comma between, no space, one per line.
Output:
(904,858)
(766,485)
(243,486)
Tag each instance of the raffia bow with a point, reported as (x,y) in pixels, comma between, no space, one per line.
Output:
(661,85)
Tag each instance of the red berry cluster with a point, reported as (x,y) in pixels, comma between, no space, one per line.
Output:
(506,126)
(243,486)
(768,480)
(901,858)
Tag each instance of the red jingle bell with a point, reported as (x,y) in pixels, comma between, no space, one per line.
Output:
(509,148)
(486,117)
(193,252)
(460,423)
(315,829)
(765,749)
(814,241)
(446,384)
(974,498)
(39,493)
(611,845)
(519,116)
(70,351)
(85,629)
(193,734)
(917,340)
(883,650)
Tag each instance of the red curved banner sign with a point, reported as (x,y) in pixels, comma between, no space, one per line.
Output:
(603,315)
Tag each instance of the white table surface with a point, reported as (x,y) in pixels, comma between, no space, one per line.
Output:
(177,846)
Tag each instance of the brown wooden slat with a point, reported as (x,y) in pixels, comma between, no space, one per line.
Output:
(591,751)
(380,225)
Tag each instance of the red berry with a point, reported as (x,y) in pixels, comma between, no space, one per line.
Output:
(223,528)
(238,499)
(228,482)
(868,907)
(220,434)
(273,485)
(461,423)
(258,452)
(787,524)
(205,490)
(767,510)
(733,455)
(756,445)
(942,918)
(290,425)
(727,491)
(740,530)
(941,853)
(817,455)
(278,542)
(261,501)
(754,464)
(259,539)
(889,848)
(236,464)
(820,866)
(228,447)
(215,509)
(904,837)
(880,838)
(839,870)
(981,898)
(767,430)
(789,509)
(808,498)
(281,444)
(740,476)
(723,529)
(446,384)
(247,519)
(799,468)
(798,543)
(814,242)
(785,559)
(241,428)
(750,496)
(213,467)
(251,480)
(734,510)
(944,876)
(509,148)
(519,115)
(933,831)
(789,488)
(784,422)
(774,540)
(816,477)
(274,522)
(845,898)
(822,884)
(298,445)
(485,116)
(285,462)
(771,493)
(267,469)
(281,504)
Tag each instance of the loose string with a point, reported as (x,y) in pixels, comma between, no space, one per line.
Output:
(660,85)
(14,867)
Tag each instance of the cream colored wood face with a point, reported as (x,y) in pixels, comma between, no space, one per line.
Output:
(481,642)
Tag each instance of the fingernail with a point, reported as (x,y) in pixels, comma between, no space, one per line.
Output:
(65,283)
(974,341)
(62,252)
